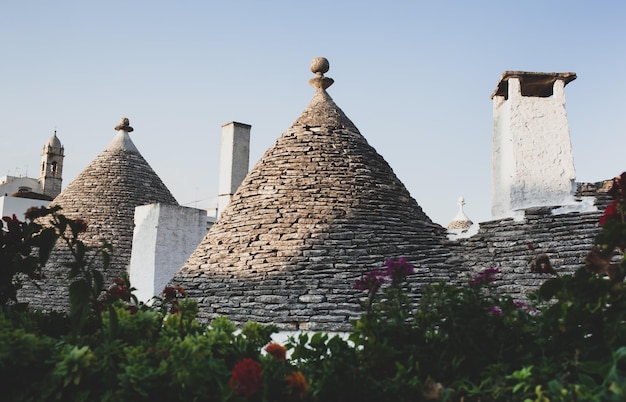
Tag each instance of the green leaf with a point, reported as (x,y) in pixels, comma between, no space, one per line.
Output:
(46,241)
(79,292)
(113,322)
(98,281)
(550,288)
(79,303)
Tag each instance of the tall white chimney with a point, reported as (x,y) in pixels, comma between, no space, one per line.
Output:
(532,158)
(234,161)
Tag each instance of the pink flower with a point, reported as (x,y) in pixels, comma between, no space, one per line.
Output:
(399,270)
(370,282)
(484,277)
(495,310)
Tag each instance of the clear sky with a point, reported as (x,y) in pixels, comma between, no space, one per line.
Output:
(415,77)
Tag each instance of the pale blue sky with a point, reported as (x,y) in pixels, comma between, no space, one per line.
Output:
(415,77)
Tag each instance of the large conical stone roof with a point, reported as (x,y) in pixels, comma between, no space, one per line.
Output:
(104,195)
(319,209)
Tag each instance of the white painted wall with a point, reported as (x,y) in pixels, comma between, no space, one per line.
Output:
(532,163)
(17,206)
(164,237)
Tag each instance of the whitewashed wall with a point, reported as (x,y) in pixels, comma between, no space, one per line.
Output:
(163,238)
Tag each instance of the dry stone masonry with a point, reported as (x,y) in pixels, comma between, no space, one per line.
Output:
(105,195)
(320,209)
(514,246)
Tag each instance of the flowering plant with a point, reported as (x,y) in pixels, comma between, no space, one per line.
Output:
(246,379)
(608,257)
(394,275)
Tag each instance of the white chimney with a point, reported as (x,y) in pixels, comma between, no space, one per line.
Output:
(532,158)
(234,161)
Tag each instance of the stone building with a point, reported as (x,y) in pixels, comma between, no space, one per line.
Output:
(544,223)
(322,207)
(104,195)
(318,210)
(518,247)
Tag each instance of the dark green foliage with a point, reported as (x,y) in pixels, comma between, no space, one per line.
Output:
(24,248)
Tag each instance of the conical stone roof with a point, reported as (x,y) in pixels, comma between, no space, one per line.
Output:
(104,195)
(320,209)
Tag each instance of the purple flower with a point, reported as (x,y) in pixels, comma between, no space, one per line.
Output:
(399,270)
(524,307)
(495,310)
(370,282)
(484,277)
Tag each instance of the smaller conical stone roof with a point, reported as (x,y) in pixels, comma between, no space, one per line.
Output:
(104,195)
(320,209)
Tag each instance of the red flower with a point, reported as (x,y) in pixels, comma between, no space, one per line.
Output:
(169,292)
(9,219)
(246,379)
(180,290)
(119,290)
(298,383)
(277,351)
(611,213)
(618,190)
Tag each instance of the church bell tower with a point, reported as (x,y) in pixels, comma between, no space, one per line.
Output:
(50,178)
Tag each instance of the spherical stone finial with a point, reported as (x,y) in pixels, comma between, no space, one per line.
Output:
(124,125)
(320,65)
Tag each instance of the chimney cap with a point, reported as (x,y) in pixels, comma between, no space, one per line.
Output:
(532,83)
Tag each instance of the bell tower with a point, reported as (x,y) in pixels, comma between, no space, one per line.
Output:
(50,177)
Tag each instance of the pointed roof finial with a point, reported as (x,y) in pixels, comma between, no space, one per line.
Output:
(460,221)
(319,66)
(124,125)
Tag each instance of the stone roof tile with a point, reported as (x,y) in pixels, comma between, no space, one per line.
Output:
(319,209)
